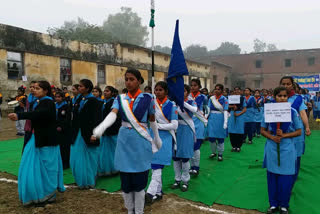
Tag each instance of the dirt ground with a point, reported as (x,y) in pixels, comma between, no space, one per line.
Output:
(75,201)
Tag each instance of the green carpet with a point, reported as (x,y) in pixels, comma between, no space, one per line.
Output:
(239,180)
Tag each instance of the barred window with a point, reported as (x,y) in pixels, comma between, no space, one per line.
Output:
(15,65)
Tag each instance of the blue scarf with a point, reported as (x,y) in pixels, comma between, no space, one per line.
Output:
(59,106)
(84,100)
(106,101)
(31,99)
(75,98)
(38,100)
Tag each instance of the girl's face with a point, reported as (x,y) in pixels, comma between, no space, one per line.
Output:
(247,92)
(185,94)
(282,97)
(95,93)
(217,91)
(131,82)
(75,91)
(20,93)
(107,93)
(287,84)
(82,89)
(225,93)
(58,98)
(160,92)
(31,88)
(39,92)
(194,87)
(257,94)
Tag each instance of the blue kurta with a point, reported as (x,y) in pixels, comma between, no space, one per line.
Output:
(133,152)
(250,113)
(185,137)
(258,110)
(40,173)
(106,155)
(200,100)
(300,140)
(164,155)
(236,124)
(216,120)
(288,153)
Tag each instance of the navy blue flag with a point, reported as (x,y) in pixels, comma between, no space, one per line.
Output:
(177,69)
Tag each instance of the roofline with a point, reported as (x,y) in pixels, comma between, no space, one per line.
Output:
(221,64)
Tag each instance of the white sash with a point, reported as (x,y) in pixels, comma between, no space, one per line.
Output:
(216,103)
(188,121)
(133,120)
(163,120)
(201,117)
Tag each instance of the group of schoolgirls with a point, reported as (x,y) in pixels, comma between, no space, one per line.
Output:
(284,147)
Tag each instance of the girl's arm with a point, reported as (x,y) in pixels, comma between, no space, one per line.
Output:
(290,134)
(106,123)
(305,121)
(242,112)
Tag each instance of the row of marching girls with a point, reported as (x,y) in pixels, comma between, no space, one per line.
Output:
(284,147)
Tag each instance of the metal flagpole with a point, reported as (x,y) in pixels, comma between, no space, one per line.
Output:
(151,24)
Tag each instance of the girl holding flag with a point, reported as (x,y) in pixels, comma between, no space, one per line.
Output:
(167,119)
(108,140)
(40,172)
(280,156)
(200,122)
(218,121)
(186,138)
(134,149)
(258,111)
(85,149)
(298,104)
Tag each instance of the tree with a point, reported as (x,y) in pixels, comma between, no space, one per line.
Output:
(272,47)
(82,31)
(226,48)
(259,46)
(164,49)
(195,51)
(126,27)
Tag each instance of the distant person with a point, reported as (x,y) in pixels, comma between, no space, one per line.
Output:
(148,89)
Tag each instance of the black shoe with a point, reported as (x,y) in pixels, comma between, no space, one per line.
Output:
(283,210)
(238,149)
(234,149)
(191,172)
(157,197)
(220,158)
(176,185)
(184,187)
(250,142)
(148,199)
(213,155)
(272,210)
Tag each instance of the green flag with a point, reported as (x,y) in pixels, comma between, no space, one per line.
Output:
(151,23)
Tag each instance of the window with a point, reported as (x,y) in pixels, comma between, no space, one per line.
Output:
(226,81)
(15,65)
(258,63)
(101,74)
(65,71)
(166,58)
(214,79)
(287,62)
(311,61)
(257,84)
(131,50)
(149,54)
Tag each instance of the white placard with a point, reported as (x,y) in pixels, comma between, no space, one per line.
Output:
(24,78)
(277,112)
(234,99)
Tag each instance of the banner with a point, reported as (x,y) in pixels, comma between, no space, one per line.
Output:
(309,82)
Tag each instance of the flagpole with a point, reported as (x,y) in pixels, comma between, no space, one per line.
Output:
(151,24)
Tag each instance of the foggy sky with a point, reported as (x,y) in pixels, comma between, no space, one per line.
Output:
(290,24)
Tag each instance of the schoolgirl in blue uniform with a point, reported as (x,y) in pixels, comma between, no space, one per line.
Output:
(258,111)
(316,106)
(218,121)
(280,156)
(134,149)
(85,149)
(167,119)
(40,172)
(236,121)
(75,123)
(97,93)
(108,140)
(63,117)
(249,115)
(186,138)
(298,104)
(200,123)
